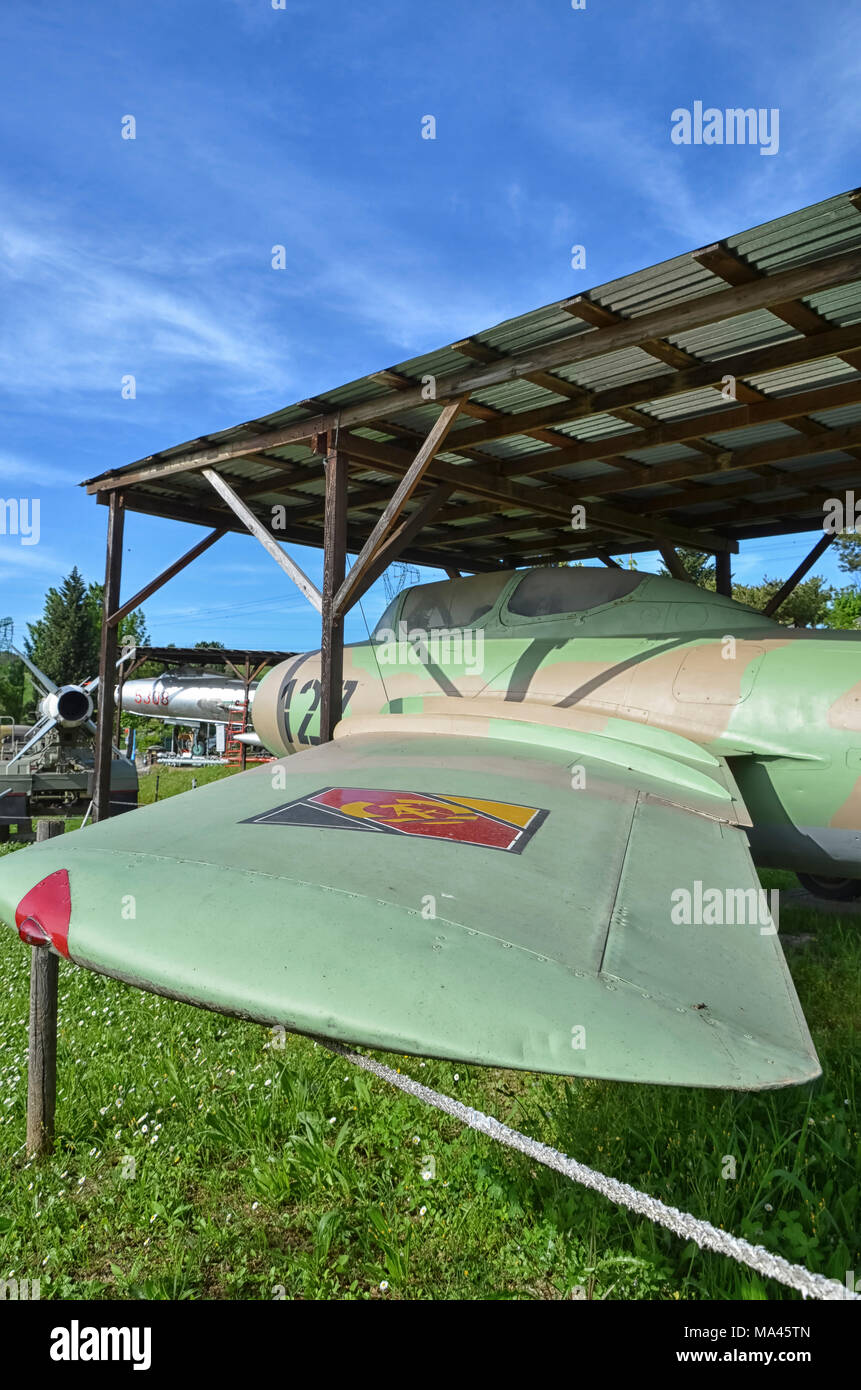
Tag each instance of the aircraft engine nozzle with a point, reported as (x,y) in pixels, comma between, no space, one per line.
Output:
(69,706)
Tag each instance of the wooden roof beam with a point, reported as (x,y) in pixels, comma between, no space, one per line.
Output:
(160,580)
(734,270)
(778,409)
(503,526)
(582,307)
(776,451)
(694,313)
(470,347)
(774,480)
(798,574)
(409,528)
(542,500)
(481,352)
(673,563)
(791,352)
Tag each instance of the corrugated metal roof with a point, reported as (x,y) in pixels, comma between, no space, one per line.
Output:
(635,393)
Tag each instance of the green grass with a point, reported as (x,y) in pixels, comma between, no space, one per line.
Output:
(168,781)
(197,1158)
(172,780)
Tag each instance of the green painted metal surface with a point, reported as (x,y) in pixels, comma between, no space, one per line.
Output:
(562,958)
(530,851)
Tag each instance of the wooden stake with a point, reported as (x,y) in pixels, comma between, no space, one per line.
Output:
(42,1053)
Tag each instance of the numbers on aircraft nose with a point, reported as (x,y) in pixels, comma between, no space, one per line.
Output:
(294,706)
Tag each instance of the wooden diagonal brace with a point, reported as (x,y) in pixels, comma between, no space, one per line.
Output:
(347,593)
(406,532)
(256,527)
(798,574)
(671,559)
(165,575)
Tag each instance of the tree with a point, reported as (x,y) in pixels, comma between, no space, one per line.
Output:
(64,642)
(806,606)
(133,629)
(848,545)
(213,665)
(844,611)
(700,567)
(16,690)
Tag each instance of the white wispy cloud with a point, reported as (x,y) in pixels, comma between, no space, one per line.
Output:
(29,473)
(724,191)
(29,564)
(76,320)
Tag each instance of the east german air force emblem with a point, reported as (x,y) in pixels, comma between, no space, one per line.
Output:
(466,820)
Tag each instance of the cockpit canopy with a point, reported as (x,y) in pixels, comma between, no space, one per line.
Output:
(569,589)
(515,599)
(462,603)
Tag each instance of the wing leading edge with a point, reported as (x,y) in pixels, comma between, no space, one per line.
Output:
(462,895)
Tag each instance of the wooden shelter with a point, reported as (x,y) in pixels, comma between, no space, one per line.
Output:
(708,400)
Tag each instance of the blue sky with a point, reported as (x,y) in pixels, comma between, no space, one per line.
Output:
(302,126)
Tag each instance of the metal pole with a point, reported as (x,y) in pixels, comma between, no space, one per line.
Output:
(42,1052)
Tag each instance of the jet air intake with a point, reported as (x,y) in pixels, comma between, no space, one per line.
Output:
(69,706)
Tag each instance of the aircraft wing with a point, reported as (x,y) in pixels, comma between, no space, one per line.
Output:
(482,895)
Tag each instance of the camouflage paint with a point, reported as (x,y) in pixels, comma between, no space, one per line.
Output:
(784,709)
(282,895)
(523,955)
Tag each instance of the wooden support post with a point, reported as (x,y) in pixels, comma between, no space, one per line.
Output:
(243,747)
(798,574)
(108,654)
(118,733)
(42,1051)
(723,573)
(334,568)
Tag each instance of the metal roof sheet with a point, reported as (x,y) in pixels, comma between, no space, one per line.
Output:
(635,391)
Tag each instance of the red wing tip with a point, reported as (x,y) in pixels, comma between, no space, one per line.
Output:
(42,916)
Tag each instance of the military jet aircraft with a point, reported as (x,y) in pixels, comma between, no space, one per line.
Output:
(526,845)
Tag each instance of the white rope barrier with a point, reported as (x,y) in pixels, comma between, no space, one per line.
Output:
(681,1223)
